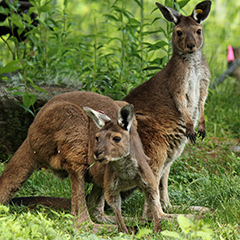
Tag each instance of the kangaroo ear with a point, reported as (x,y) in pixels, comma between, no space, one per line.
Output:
(201,11)
(99,118)
(170,14)
(125,117)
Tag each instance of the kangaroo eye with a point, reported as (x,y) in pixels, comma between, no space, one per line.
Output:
(199,31)
(116,139)
(97,139)
(179,33)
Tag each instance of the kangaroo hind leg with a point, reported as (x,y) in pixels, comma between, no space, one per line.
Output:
(18,170)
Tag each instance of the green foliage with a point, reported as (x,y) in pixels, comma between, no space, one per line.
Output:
(207,174)
(223,110)
(143,232)
(114,57)
(136,200)
(191,230)
(39,225)
(10,67)
(31,226)
(42,183)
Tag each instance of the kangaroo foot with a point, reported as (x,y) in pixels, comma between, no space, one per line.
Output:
(171,217)
(103,218)
(199,209)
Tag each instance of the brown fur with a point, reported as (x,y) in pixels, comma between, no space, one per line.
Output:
(60,138)
(126,166)
(167,105)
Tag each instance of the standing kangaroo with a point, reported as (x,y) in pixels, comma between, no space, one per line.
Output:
(168,105)
(62,138)
(118,145)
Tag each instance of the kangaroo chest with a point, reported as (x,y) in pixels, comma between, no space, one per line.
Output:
(125,174)
(193,78)
(126,168)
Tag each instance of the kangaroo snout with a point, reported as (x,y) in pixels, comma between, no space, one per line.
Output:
(97,154)
(191,47)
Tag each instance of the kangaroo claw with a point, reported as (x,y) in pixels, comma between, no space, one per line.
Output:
(192,137)
(201,134)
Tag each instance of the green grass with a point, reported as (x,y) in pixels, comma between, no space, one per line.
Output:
(223,110)
(207,174)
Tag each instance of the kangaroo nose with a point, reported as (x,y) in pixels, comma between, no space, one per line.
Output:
(191,46)
(98,153)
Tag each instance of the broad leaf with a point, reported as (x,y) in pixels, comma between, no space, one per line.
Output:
(171,234)
(143,232)
(11,67)
(185,224)
(29,99)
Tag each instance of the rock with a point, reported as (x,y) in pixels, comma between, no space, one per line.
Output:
(15,121)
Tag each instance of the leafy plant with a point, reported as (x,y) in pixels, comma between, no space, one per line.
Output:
(190,230)
(112,59)
(10,67)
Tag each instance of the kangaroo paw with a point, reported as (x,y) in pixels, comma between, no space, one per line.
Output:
(201,134)
(192,136)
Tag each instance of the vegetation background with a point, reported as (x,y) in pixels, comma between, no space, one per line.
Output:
(111,47)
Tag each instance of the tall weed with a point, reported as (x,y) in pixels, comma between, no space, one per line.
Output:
(111,57)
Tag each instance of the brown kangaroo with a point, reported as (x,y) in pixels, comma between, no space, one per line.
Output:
(119,147)
(59,138)
(168,105)
(62,137)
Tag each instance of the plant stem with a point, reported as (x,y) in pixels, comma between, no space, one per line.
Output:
(13,54)
(123,40)
(95,51)
(141,33)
